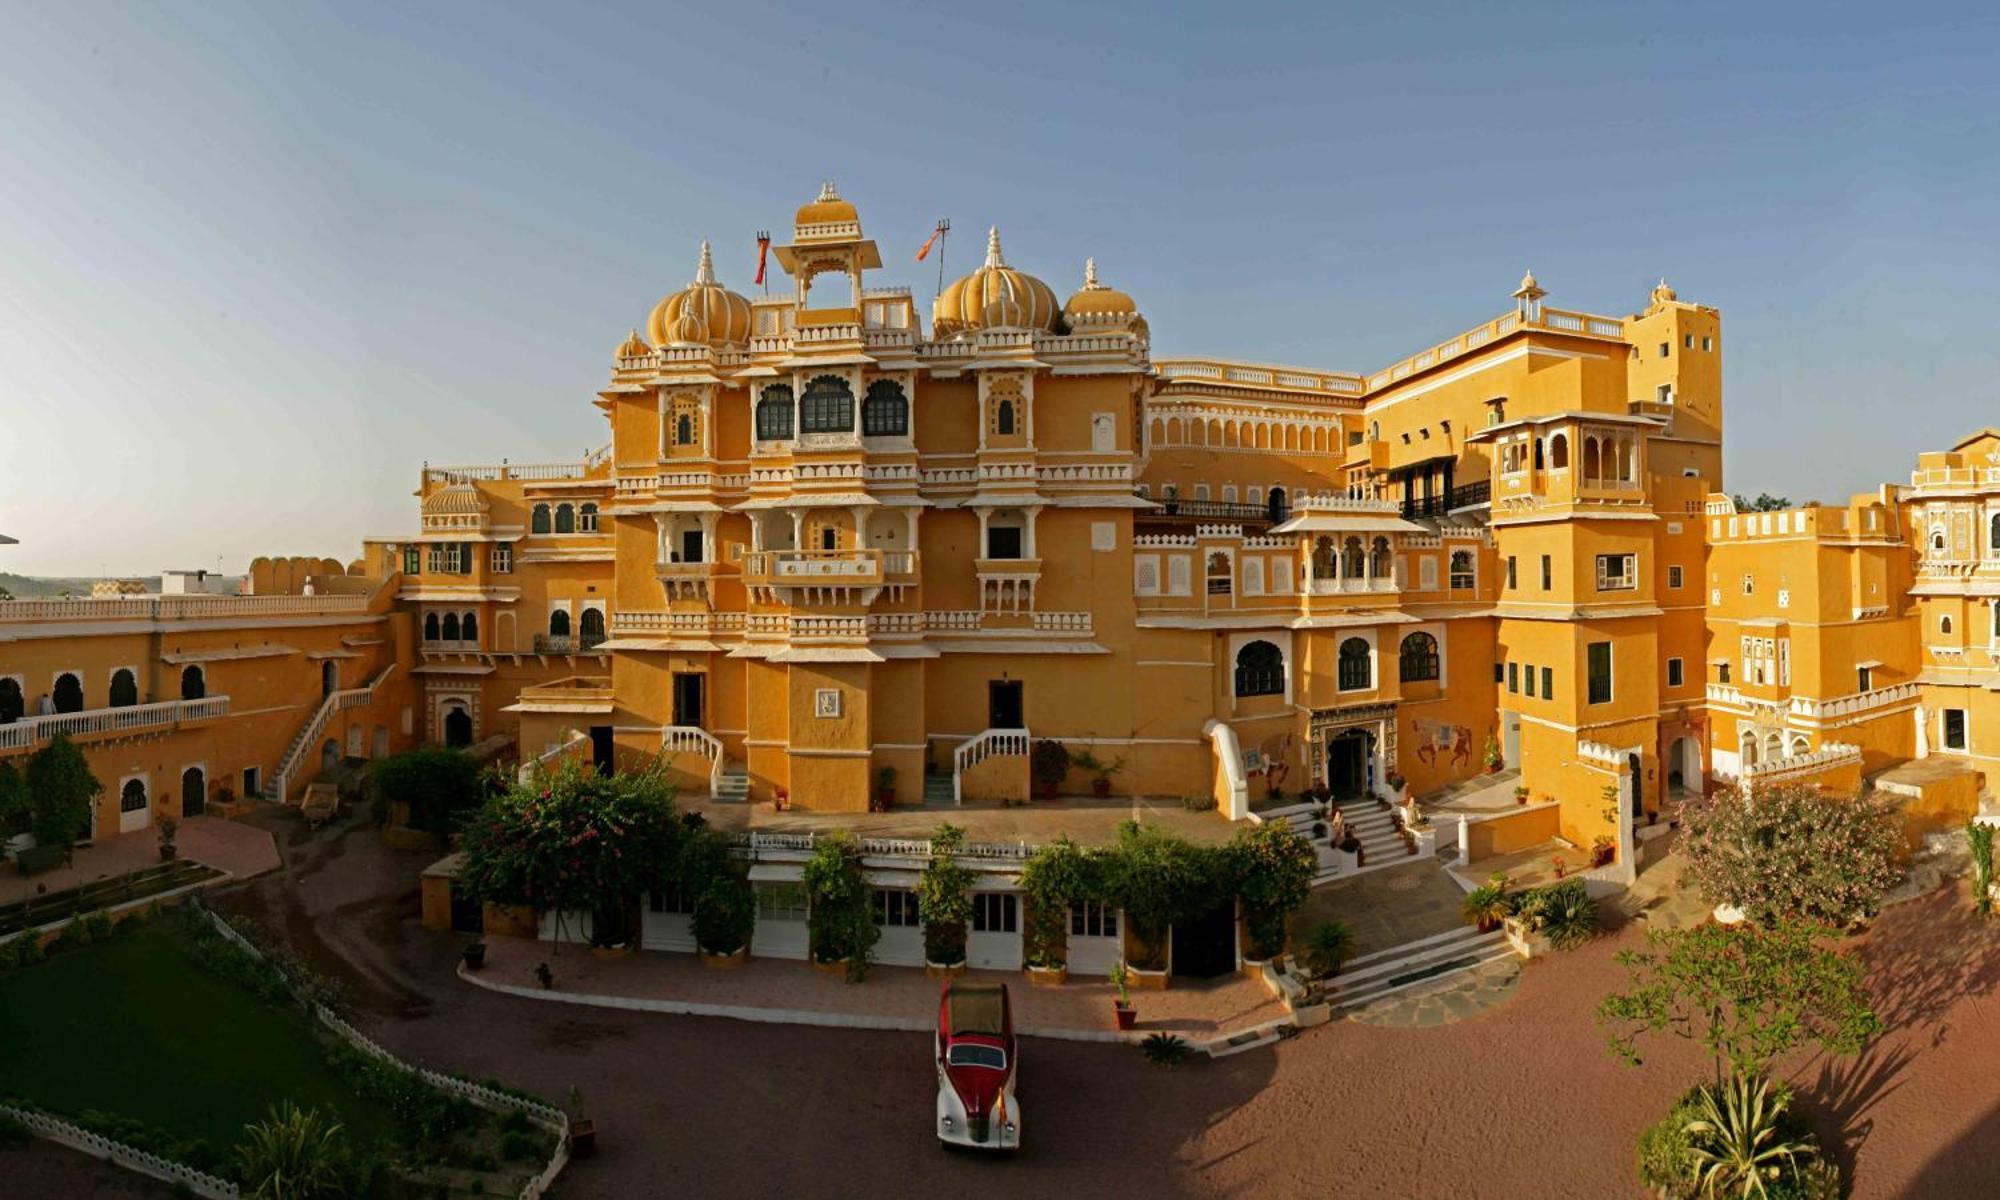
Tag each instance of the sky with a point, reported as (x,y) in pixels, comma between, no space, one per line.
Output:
(259,263)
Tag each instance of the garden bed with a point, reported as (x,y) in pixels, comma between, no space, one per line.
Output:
(120,1034)
(129,888)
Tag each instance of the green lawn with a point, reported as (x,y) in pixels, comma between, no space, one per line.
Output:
(132,1026)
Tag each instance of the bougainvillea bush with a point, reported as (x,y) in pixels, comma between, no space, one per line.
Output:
(573,841)
(1792,852)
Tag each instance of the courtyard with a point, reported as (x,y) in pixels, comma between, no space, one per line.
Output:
(1521,1100)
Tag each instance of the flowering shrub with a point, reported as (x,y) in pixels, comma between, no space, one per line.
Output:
(1273,869)
(572,841)
(1792,852)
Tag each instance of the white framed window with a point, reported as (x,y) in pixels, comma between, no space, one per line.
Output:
(1180,576)
(1952,729)
(896,908)
(1674,576)
(1617,572)
(1281,576)
(1146,574)
(1253,575)
(501,561)
(1784,597)
(1229,493)
(1676,672)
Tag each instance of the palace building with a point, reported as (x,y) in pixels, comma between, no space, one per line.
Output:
(838,552)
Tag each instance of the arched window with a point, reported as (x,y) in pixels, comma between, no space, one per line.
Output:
(1800,745)
(684,430)
(1354,671)
(1944,623)
(565,519)
(886,411)
(1260,670)
(1993,533)
(1275,506)
(69,693)
(1539,461)
(591,627)
(1559,452)
(450,633)
(1381,563)
(468,629)
(538,522)
(193,686)
(1461,569)
(1003,418)
(774,413)
(13,704)
(1774,747)
(1749,748)
(124,689)
(132,797)
(430,627)
(559,623)
(586,517)
(1325,563)
(1374,431)
(1590,461)
(1418,659)
(827,407)
(1353,563)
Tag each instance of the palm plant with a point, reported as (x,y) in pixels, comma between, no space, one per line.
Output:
(1330,945)
(293,1154)
(1736,1140)
(1563,912)
(1165,1049)
(1489,904)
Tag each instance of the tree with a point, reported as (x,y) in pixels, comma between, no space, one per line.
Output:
(433,786)
(61,790)
(1158,878)
(1055,876)
(1765,502)
(1792,852)
(944,898)
(15,816)
(1272,869)
(840,920)
(1745,993)
(573,841)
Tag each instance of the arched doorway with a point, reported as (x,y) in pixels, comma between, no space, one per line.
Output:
(1275,505)
(329,755)
(457,726)
(380,747)
(132,810)
(193,686)
(1684,774)
(591,628)
(1638,772)
(194,792)
(1350,756)
(12,703)
(69,693)
(124,688)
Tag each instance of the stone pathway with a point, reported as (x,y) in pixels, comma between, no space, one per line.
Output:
(1386,908)
(232,846)
(1445,1000)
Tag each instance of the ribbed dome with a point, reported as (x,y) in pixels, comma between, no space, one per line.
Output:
(996,296)
(827,207)
(633,346)
(1664,294)
(459,499)
(1097,305)
(704,313)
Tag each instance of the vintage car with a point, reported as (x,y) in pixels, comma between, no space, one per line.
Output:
(975,1066)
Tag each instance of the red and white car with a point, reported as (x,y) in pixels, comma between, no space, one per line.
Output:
(975,1065)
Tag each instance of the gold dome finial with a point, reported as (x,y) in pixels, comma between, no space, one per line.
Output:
(633,346)
(826,192)
(1664,294)
(993,258)
(704,273)
(1090,283)
(1529,289)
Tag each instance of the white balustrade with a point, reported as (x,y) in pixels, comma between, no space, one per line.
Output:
(989,743)
(693,739)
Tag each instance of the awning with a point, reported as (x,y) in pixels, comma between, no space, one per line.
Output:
(810,500)
(1313,522)
(267,650)
(826,654)
(892,879)
(1869,662)
(777,872)
(671,644)
(318,655)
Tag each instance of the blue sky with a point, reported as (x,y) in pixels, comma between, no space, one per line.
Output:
(258,264)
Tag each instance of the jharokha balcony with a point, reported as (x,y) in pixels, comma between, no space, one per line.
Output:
(831,577)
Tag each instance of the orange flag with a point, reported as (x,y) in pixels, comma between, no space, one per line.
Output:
(931,241)
(763,251)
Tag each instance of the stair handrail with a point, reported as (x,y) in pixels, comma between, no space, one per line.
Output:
(343,698)
(987,743)
(693,739)
(1229,756)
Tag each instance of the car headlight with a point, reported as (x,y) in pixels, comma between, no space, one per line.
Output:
(1010,1127)
(947,1122)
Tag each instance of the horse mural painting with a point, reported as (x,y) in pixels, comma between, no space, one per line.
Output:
(1434,738)
(1277,752)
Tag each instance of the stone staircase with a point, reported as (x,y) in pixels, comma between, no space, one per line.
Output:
(937,791)
(1301,818)
(1386,972)
(734,785)
(1375,829)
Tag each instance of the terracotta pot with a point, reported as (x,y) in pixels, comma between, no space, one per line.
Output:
(1125,1013)
(1155,980)
(582,1138)
(885,799)
(723,962)
(1100,788)
(610,952)
(1048,976)
(944,970)
(474,955)
(837,967)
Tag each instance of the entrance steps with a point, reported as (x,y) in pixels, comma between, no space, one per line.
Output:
(937,791)
(1374,828)
(1371,824)
(1372,976)
(734,786)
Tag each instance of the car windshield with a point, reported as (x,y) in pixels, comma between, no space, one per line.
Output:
(971,1054)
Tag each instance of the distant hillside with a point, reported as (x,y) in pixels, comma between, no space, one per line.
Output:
(32,587)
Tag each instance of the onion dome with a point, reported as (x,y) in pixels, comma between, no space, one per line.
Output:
(1100,307)
(825,209)
(633,346)
(1529,289)
(996,296)
(702,313)
(1664,294)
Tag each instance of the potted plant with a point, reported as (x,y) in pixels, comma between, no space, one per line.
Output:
(724,914)
(1397,783)
(544,976)
(885,789)
(1601,850)
(582,1130)
(1121,978)
(1054,875)
(1560,866)
(1520,793)
(474,955)
(781,799)
(1100,771)
(944,901)
(1494,760)
(168,852)
(1488,904)
(1048,766)
(1352,845)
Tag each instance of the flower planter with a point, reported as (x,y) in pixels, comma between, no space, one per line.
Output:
(1156,980)
(582,1138)
(837,967)
(944,970)
(1100,788)
(1125,1013)
(723,962)
(1527,943)
(1253,968)
(885,799)
(1049,976)
(474,956)
(611,952)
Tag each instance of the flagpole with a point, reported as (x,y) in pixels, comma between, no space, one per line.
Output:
(943,235)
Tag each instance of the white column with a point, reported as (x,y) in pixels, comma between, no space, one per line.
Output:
(798,529)
(1029,538)
(860,513)
(709,550)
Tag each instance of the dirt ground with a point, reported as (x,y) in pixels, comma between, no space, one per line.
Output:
(40,1168)
(1522,1101)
